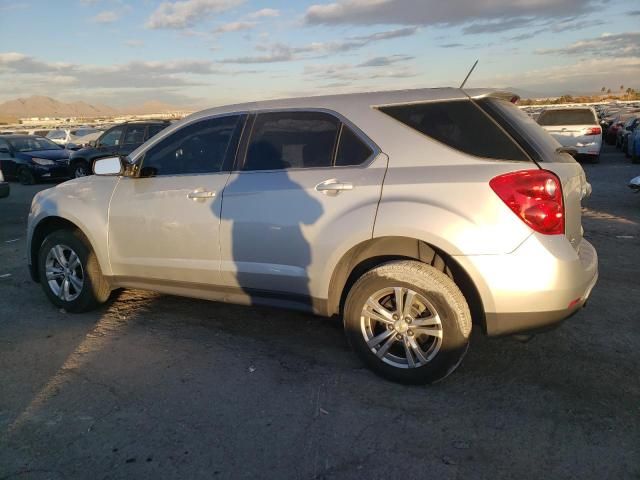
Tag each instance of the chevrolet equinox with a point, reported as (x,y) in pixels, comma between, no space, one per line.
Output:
(414,215)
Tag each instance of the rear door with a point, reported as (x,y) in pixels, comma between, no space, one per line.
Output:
(308,184)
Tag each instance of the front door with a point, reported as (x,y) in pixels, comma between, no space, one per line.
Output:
(164,224)
(309,184)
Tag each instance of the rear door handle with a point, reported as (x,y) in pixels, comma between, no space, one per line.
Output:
(201,194)
(334,186)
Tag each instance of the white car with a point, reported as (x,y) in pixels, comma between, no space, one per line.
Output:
(575,128)
(4,187)
(73,137)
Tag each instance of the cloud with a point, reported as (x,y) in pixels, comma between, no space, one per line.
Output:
(186,13)
(108,16)
(264,13)
(234,27)
(608,45)
(284,53)
(452,45)
(384,61)
(488,14)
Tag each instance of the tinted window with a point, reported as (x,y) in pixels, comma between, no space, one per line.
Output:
(580,116)
(292,140)
(460,125)
(154,130)
(536,141)
(134,135)
(57,134)
(111,138)
(352,150)
(200,147)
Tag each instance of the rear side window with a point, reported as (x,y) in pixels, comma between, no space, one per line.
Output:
(459,124)
(580,116)
(282,140)
(201,147)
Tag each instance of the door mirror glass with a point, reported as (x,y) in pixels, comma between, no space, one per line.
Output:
(108,166)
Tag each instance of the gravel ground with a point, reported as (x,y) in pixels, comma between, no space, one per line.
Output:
(154,386)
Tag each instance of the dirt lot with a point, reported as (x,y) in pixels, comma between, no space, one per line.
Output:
(155,386)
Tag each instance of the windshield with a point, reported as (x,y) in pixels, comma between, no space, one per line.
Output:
(57,134)
(32,144)
(580,116)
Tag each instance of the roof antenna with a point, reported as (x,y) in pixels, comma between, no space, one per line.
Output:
(468,75)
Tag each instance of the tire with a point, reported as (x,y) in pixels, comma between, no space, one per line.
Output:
(446,314)
(58,248)
(25,177)
(80,169)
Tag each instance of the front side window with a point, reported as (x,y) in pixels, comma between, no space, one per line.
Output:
(111,138)
(459,124)
(201,147)
(282,140)
(134,135)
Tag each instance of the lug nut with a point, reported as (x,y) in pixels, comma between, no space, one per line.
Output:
(398,337)
(410,333)
(395,317)
(408,319)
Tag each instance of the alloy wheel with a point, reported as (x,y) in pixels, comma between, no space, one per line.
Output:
(64,272)
(401,327)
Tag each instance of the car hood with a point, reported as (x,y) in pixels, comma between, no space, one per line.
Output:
(82,152)
(48,154)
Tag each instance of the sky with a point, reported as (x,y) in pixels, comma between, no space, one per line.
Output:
(201,53)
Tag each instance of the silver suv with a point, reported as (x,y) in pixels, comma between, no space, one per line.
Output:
(412,214)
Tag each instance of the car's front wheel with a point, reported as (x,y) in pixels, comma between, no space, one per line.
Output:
(25,176)
(69,272)
(408,322)
(80,169)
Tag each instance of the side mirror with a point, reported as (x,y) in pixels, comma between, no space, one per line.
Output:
(108,166)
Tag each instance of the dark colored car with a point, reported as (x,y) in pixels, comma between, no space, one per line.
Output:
(29,159)
(119,140)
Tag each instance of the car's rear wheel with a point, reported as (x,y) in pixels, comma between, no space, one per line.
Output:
(408,322)
(69,272)
(25,177)
(80,169)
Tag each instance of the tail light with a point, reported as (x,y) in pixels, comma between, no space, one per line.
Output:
(594,131)
(535,196)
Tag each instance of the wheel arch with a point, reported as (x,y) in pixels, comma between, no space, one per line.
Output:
(44,227)
(371,253)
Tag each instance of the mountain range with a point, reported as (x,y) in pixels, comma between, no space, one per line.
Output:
(39,106)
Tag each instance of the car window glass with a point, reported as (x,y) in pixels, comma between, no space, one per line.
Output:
(4,145)
(134,135)
(459,124)
(351,150)
(580,116)
(292,140)
(200,147)
(154,130)
(33,144)
(111,138)
(57,134)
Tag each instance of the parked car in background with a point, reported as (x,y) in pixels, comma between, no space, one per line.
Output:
(574,127)
(633,145)
(624,133)
(30,159)
(75,137)
(119,140)
(616,124)
(412,214)
(4,186)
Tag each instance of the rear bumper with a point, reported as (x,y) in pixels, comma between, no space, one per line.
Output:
(4,189)
(537,286)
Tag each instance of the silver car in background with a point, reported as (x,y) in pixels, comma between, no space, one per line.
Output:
(576,128)
(414,215)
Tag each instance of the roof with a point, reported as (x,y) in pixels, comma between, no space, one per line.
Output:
(348,101)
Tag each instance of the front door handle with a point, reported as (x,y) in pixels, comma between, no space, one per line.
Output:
(201,194)
(333,186)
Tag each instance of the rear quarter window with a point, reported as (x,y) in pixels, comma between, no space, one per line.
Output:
(459,124)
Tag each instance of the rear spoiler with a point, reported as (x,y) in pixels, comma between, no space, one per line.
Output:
(501,95)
